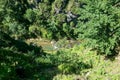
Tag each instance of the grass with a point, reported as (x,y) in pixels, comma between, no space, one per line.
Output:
(101,69)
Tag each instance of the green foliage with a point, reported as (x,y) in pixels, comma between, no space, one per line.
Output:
(12,20)
(96,23)
(99,26)
(98,70)
(30,15)
(69,62)
(75,63)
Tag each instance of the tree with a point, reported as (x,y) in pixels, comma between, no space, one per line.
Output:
(12,19)
(99,25)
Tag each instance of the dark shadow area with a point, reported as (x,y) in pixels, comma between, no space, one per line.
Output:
(111,57)
(15,66)
(17,60)
(20,46)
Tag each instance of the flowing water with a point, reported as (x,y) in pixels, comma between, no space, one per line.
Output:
(48,45)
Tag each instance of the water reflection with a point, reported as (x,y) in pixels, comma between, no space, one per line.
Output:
(54,44)
(64,44)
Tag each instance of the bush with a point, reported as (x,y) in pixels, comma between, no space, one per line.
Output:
(68,62)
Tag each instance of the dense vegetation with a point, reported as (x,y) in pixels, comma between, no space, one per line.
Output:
(95,24)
